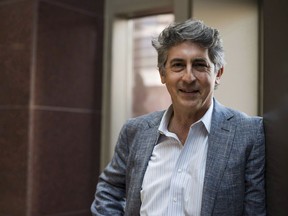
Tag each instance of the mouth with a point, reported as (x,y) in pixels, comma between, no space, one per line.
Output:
(189,91)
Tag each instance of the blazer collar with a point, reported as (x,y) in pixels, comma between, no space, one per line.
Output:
(141,156)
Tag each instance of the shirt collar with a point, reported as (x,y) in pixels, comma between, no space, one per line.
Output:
(206,119)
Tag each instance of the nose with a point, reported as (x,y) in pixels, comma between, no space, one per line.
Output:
(188,75)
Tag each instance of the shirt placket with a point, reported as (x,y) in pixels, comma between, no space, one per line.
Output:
(178,178)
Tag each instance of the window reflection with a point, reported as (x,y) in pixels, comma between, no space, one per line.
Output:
(149,94)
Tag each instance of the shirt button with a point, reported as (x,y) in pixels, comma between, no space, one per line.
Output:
(179,170)
(175,200)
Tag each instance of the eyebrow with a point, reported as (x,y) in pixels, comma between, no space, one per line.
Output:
(201,59)
(198,59)
(176,59)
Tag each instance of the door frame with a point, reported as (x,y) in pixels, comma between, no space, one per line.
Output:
(117,12)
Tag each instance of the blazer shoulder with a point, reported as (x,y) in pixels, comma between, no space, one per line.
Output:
(236,116)
(248,126)
(145,121)
(242,118)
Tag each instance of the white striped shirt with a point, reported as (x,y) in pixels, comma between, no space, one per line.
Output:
(173,182)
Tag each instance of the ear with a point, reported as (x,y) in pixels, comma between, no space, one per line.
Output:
(219,75)
(162,76)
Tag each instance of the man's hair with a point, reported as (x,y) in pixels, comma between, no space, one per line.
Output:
(194,31)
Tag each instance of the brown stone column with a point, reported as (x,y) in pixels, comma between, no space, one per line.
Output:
(50,105)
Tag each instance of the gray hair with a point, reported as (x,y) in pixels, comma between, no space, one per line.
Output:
(190,30)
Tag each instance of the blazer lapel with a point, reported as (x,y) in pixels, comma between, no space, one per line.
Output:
(219,146)
(142,153)
(145,150)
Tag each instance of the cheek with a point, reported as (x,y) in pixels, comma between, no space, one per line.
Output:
(207,82)
(171,78)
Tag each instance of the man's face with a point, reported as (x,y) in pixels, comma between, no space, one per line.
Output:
(190,77)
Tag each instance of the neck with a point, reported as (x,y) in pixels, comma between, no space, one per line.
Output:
(181,121)
(188,116)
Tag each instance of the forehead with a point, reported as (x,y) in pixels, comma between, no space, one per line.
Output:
(188,50)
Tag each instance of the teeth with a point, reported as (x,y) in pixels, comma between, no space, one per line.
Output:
(188,91)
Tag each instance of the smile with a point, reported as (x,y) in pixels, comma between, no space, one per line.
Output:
(189,91)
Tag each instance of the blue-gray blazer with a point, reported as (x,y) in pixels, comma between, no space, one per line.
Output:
(234,177)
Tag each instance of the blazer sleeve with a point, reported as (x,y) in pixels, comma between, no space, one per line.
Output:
(254,201)
(110,191)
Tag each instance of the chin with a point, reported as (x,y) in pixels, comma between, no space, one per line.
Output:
(191,105)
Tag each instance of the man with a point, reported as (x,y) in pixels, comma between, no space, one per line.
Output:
(196,158)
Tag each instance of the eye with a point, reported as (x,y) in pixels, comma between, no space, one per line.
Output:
(177,66)
(201,66)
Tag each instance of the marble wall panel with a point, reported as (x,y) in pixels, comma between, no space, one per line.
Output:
(13,161)
(65,172)
(66,59)
(15,52)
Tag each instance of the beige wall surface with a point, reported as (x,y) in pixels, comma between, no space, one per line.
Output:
(238,24)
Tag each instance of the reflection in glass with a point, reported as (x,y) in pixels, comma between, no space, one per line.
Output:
(149,94)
